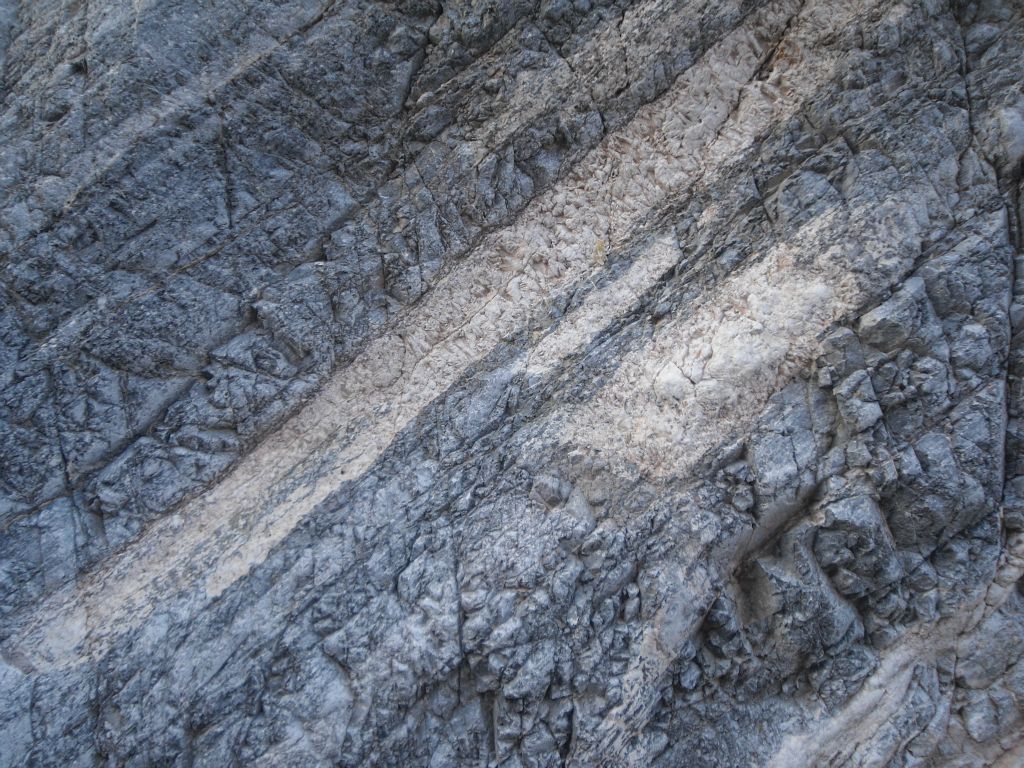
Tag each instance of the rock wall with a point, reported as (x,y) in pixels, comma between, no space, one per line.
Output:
(511,383)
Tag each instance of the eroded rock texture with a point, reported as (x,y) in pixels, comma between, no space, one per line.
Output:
(511,383)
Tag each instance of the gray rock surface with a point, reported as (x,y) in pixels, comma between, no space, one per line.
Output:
(511,383)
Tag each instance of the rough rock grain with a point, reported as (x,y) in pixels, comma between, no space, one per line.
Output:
(529,383)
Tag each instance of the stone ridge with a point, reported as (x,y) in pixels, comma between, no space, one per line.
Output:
(511,383)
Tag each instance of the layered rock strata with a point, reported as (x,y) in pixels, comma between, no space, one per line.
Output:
(511,383)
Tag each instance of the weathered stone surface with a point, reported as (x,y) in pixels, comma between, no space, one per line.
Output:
(511,383)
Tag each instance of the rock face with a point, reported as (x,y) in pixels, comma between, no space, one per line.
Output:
(511,383)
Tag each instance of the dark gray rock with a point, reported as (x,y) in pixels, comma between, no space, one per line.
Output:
(511,383)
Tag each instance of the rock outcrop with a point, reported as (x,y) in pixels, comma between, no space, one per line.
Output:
(511,383)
